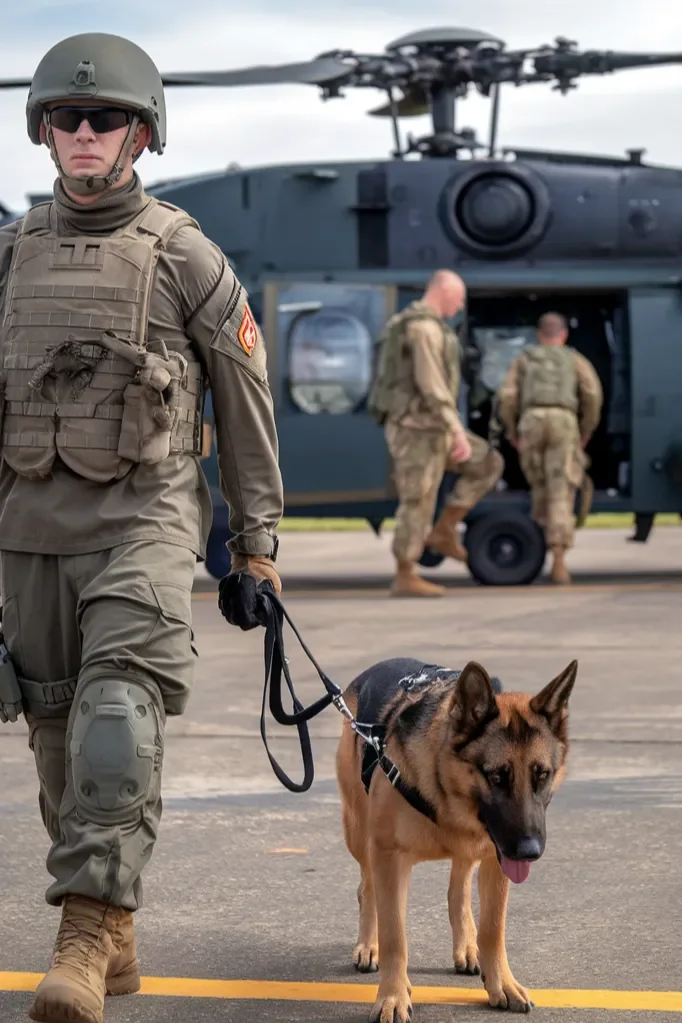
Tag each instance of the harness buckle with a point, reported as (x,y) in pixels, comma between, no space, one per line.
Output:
(342,706)
(393,775)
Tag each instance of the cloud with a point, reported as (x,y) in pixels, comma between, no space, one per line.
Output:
(209,128)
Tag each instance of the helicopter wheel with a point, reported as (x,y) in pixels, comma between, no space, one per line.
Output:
(218,558)
(506,549)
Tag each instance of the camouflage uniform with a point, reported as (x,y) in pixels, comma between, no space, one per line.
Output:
(549,400)
(416,398)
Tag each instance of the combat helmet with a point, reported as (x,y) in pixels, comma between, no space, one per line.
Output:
(109,70)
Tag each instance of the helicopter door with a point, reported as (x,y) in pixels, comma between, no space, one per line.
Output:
(321,339)
(656,361)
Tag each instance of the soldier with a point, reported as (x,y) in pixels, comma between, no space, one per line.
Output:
(414,396)
(550,403)
(118,312)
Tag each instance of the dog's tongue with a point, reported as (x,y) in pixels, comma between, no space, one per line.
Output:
(516,870)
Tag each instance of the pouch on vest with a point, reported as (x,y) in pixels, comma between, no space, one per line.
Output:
(151,404)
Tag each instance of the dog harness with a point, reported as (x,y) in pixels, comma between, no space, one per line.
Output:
(272,612)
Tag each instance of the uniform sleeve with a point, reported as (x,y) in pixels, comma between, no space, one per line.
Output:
(8,235)
(219,321)
(425,340)
(508,399)
(591,396)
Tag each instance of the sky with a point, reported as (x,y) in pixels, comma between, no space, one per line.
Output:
(208,129)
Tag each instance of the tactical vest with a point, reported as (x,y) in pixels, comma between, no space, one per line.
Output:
(550,378)
(393,389)
(81,378)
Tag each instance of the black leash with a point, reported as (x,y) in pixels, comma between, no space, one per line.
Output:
(275,665)
(274,614)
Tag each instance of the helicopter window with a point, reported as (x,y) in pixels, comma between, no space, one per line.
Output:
(330,356)
(328,330)
(497,347)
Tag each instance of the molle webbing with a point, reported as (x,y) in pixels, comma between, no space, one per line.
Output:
(48,693)
(549,378)
(64,392)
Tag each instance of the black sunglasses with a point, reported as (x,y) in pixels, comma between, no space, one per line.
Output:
(100,119)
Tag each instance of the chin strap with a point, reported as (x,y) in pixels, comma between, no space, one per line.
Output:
(94,184)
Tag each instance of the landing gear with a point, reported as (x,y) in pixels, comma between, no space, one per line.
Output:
(643,523)
(505,549)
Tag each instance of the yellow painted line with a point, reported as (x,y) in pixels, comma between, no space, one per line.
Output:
(295,991)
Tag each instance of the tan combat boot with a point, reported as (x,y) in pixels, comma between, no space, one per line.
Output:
(123,975)
(408,584)
(444,537)
(73,989)
(560,573)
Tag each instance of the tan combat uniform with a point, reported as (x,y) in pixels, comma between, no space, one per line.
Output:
(419,434)
(104,508)
(549,400)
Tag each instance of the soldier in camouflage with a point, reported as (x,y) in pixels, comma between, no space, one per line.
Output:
(414,396)
(116,315)
(550,403)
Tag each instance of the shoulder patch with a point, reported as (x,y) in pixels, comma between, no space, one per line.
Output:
(247,335)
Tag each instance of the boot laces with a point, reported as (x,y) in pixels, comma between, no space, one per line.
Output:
(77,945)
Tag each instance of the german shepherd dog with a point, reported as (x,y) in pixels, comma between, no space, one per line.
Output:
(478,768)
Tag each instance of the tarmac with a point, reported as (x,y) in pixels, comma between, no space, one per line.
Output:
(250,910)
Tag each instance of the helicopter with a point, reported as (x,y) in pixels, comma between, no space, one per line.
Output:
(328,251)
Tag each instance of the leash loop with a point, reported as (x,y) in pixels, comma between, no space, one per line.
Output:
(276,664)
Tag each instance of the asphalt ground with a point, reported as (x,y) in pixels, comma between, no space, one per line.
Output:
(250,907)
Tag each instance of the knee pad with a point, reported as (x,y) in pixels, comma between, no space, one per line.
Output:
(116,749)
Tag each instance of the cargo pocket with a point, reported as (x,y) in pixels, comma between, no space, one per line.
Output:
(11,630)
(575,467)
(172,650)
(175,604)
(2,410)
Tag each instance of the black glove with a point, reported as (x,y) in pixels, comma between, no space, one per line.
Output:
(240,599)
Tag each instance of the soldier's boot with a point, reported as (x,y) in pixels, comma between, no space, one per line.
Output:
(560,573)
(123,974)
(408,583)
(444,538)
(73,989)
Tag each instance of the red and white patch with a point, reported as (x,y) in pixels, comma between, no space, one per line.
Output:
(247,335)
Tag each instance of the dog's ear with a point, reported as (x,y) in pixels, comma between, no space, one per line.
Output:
(552,701)
(473,702)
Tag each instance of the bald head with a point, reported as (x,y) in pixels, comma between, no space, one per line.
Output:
(446,293)
(552,329)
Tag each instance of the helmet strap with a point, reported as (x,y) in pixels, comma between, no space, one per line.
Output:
(96,184)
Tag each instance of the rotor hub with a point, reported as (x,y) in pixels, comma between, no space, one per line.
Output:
(430,39)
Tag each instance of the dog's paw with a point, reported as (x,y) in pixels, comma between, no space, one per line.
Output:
(366,958)
(466,960)
(509,995)
(392,1009)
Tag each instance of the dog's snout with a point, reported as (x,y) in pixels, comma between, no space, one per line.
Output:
(529,849)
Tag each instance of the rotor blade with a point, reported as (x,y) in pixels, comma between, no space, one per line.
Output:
(15,83)
(311,72)
(598,62)
(415,103)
